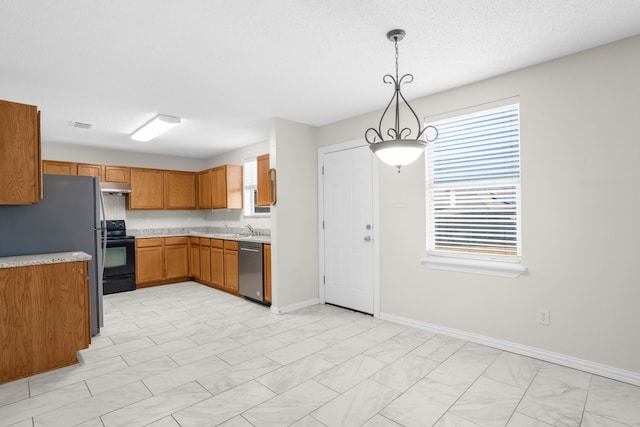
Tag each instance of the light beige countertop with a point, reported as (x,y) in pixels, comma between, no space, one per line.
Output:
(238,234)
(40,259)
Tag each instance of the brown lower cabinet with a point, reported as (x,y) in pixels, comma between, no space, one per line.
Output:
(45,318)
(161,260)
(212,262)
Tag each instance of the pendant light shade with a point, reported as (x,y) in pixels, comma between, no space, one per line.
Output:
(399,150)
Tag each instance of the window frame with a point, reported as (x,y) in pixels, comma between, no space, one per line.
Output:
(470,262)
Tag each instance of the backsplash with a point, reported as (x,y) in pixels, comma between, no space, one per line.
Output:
(115,207)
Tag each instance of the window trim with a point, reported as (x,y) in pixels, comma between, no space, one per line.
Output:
(495,265)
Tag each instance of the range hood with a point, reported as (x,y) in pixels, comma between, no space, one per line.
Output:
(115,187)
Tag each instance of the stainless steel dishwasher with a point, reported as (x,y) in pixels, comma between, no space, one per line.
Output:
(250,270)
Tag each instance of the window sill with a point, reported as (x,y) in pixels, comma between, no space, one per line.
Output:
(463,265)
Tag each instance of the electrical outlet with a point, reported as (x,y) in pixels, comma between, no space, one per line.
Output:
(543,316)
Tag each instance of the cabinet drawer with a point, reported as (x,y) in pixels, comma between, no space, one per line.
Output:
(182,240)
(145,243)
(195,240)
(217,243)
(231,245)
(205,241)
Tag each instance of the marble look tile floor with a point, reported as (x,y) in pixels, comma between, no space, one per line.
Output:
(187,355)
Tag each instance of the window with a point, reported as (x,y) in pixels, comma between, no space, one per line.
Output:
(473,189)
(250,179)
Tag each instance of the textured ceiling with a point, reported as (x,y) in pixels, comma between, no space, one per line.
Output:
(226,67)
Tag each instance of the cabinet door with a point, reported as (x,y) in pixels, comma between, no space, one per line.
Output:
(217,262)
(176,259)
(263,180)
(20,168)
(231,265)
(54,167)
(149,264)
(204,190)
(85,169)
(116,174)
(194,270)
(219,188)
(180,190)
(147,189)
(205,260)
(266,254)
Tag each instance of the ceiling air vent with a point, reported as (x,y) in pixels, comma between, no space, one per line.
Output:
(82,125)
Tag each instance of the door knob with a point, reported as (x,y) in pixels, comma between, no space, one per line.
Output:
(367,239)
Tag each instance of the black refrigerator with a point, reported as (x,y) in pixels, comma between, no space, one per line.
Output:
(67,219)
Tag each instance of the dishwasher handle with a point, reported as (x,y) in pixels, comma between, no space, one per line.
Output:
(249,249)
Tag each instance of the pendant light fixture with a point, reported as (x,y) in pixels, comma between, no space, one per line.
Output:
(400,149)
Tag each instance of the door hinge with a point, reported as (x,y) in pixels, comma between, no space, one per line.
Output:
(323,225)
(323,279)
(322,169)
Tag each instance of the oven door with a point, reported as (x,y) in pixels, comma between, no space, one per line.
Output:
(120,257)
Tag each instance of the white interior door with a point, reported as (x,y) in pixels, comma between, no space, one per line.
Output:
(348,228)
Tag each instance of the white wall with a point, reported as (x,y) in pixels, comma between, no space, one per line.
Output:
(294,219)
(580,208)
(80,154)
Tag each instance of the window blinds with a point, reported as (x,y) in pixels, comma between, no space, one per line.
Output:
(250,174)
(473,183)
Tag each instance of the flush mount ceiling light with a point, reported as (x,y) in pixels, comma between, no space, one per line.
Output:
(155,127)
(399,150)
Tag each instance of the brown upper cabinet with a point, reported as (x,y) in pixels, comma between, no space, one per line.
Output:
(86,169)
(180,190)
(263,180)
(220,188)
(107,173)
(147,189)
(162,189)
(115,174)
(20,169)
(54,167)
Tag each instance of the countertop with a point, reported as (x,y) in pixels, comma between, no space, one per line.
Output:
(209,232)
(40,259)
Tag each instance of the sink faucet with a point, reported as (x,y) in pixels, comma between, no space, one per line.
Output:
(253,232)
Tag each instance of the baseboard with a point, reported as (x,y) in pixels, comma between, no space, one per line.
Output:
(293,307)
(536,353)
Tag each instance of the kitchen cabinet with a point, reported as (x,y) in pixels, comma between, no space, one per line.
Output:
(162,189)
(180,190)
(220,188)
(194,258)
(217,262)
(205,260)
(45,319)
(116,174)
(20,166)
(147,189)
(86,169)
(266,264)
(263,180)
(231,265)
(176,258)
(161,260)
(149,261)
(54,167)
(204,190)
